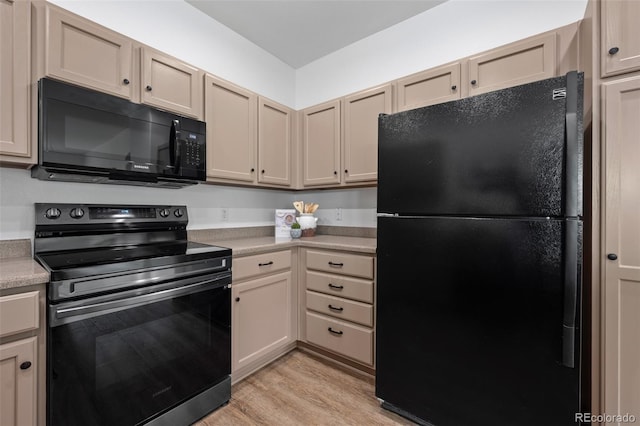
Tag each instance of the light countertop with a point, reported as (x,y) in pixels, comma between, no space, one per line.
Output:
(24,271)
(245,246)
(21,272)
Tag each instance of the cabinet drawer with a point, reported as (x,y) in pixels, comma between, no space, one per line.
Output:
(340,263)
(336,285)
(260,264)
(346,339)
(338,307)
(18,313)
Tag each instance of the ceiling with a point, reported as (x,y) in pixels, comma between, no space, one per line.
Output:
(301,31)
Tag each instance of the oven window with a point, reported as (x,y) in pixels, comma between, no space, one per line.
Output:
(125,367)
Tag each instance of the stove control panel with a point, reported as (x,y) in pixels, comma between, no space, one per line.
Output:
(53,214)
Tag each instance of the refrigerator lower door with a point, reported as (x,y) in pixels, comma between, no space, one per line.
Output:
(470,319)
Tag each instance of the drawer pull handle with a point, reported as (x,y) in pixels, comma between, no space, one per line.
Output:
(333,308)
(331,330)
(337,287)
(336,265)
(266,264)
(25,365)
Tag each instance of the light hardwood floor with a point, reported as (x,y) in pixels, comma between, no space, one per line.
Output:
(301,389)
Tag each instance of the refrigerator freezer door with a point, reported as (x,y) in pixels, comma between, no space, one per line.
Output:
(500,153)
(470,320)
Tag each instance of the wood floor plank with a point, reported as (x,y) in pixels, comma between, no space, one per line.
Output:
(302,389)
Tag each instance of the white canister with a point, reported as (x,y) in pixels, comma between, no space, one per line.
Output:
(307,221)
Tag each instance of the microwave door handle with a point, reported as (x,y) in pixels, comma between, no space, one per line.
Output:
(173,144)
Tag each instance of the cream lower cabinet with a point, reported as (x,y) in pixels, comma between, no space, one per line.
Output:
(16,147)
(338,306)
(263,310)
(18,382)
(20,331)
(621,251)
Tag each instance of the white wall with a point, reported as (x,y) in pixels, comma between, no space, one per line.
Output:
(205,203)
(179,29)
(450,31)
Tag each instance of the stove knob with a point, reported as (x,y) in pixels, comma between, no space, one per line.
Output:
(165,212)
(52,213)
(76,213)
(178,213)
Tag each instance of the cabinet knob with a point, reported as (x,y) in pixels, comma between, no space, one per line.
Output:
(454,87)
(126,81)
(346,171)
(335,172)
(612,256)
(473,82)
(25,365)
(262,171)
(613,50)
(253,170)
(149,88)
(237,299)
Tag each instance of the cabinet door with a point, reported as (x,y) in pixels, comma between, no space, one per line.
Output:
(230,113)
(321,144)
(15,17)
(620,40)
(621,343)
(262,313)
(360,145)
(274,142)
(82,52)
(429,87)
(18,374)
(170,84)
(517,63)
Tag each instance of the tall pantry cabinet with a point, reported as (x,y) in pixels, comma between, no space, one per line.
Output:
(616,251)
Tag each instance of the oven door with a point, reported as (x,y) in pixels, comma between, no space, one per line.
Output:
(127,358)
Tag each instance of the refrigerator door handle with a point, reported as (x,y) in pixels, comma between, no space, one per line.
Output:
(572,199)
(571,283)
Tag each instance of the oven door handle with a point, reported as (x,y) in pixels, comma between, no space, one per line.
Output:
(63,315)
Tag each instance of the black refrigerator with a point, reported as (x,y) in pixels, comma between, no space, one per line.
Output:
(479,258)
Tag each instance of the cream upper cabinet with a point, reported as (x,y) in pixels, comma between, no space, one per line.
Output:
(429,87)
(170,84)
(15,48)
(321,144)
(82,52)
(275,130)
(230,113)
(514,64)
(360,143)
(621,251)
(620,44)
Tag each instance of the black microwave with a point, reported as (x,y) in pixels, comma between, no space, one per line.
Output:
(88,136)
